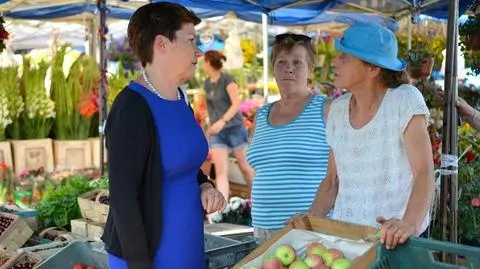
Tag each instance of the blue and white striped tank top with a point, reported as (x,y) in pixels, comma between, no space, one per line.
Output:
(290,161)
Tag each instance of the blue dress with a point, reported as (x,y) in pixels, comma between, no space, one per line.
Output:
(183,150)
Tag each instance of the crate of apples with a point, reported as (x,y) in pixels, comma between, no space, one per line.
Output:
(316,257)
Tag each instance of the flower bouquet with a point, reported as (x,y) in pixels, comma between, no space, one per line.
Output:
(11,103)
(118,81)
(75,96)
(237,211)
(37,117)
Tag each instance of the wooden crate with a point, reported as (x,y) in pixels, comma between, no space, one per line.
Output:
(95,146)
(30,215)
(33,154)
(79,227)
(17,233)
(6,153)
(6,257)
(23,257)
(87,228)
(91,208)
(52,233)
(329,228)
(72,154)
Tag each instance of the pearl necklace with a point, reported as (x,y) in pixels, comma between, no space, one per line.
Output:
(153,89)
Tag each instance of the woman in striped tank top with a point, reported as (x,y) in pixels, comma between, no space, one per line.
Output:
(289,151)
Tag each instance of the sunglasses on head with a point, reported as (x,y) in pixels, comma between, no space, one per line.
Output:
(294,37)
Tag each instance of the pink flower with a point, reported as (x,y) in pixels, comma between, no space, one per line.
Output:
(476,202)
(245,107)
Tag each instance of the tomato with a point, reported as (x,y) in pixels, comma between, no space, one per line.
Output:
(78,266)
(91,267)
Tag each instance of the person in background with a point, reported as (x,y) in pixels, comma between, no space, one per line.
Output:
(158,193)
(226,123)
(289,151)
(380,170)
(468,113)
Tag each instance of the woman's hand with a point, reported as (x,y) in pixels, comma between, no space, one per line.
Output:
(395,231)
(295,217)
(464,109)
(216,127)
(212,200)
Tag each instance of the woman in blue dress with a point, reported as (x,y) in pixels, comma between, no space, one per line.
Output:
(158,194)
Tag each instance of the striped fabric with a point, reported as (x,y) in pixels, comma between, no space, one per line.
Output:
(290,161)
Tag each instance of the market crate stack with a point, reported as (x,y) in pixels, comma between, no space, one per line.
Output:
(94,209)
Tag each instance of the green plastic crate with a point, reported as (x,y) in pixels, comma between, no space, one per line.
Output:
(419,253)
(76,252)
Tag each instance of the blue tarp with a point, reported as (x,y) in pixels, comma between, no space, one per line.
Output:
(278,10)
(68,10)
(311,9)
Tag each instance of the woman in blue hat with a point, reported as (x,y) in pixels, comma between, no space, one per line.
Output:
(380,169)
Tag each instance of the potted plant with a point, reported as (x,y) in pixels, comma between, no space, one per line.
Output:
(420,63)
(470,33)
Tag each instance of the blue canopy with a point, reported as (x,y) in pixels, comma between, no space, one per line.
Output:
(66,10)
(281,12)
(304,9)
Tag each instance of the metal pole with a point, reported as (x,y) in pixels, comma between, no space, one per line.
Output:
(449,190)
(101,5)
(265,53)
(409,40)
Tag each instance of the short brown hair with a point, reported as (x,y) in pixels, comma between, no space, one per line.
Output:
(288,41)
(150,20)
(215,59)
(391,78)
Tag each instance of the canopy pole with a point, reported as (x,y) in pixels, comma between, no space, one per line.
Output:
(265,53)
(449,184)
(101,5)
(409,28)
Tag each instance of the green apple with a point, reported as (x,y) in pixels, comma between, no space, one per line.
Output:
(331,256)
(313,260)
(272,262)
(299,264)
(286,254)
(341,263)
(316,248)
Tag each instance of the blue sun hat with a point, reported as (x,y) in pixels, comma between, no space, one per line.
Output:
(373,44)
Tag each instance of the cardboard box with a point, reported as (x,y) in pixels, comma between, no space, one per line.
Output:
(329,232)
(33,154)
(95,146)
(72,154)
(87,228)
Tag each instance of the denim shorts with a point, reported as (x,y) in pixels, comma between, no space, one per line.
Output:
(233,137)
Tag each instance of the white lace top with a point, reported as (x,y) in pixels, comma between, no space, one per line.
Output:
(375,178)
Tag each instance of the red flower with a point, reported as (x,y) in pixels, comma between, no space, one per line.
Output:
(88,104)
(470,156)
(3,34)
(24,200)
(476,202)
(3,169)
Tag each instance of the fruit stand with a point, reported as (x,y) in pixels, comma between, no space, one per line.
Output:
(317,243)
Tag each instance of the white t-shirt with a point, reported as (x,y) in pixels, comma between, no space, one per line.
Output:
(375,177)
